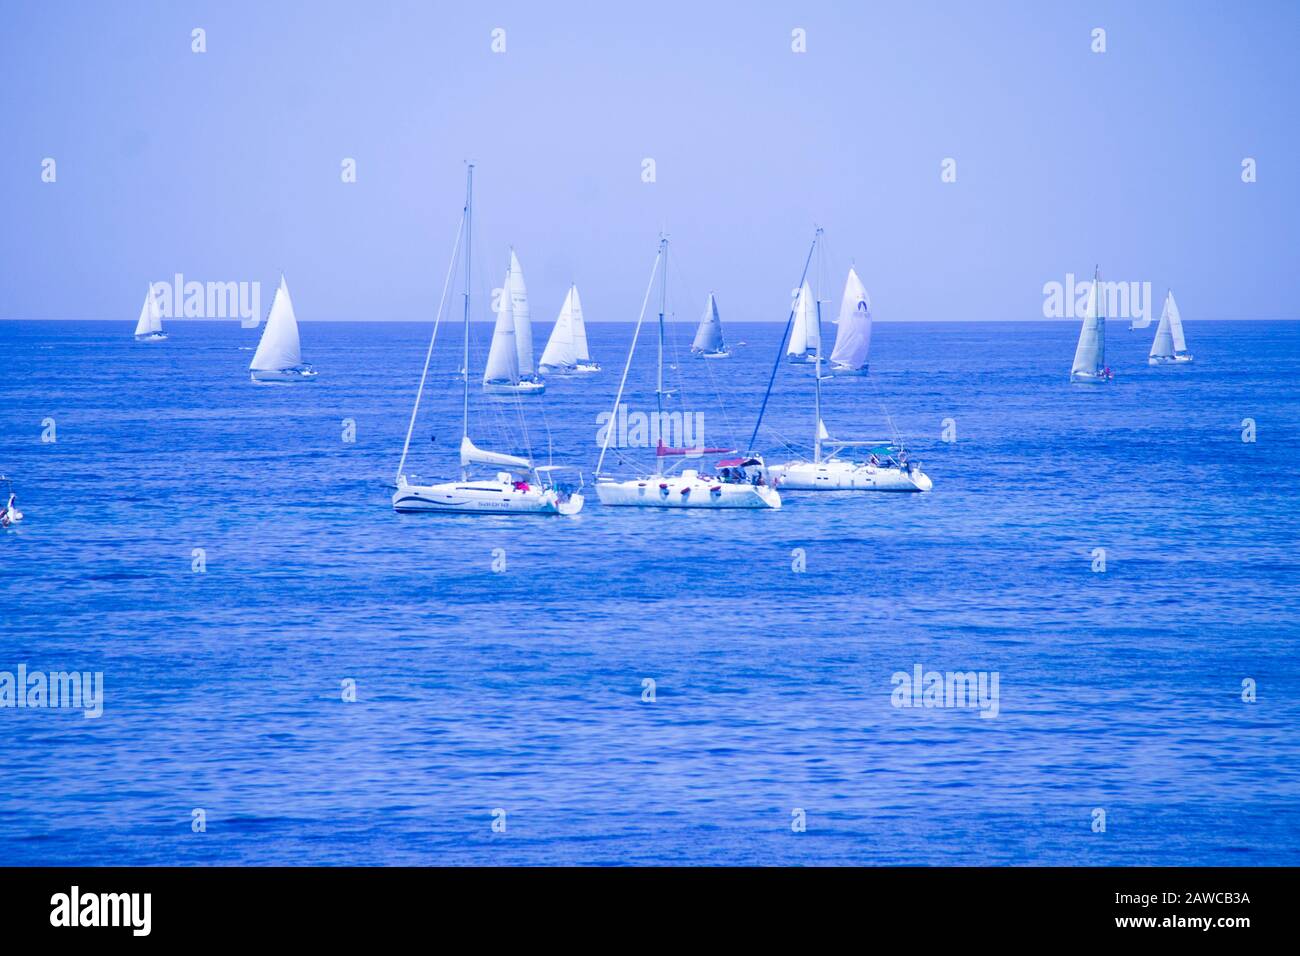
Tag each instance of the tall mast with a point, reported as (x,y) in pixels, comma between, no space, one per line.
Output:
(663,302)
(469,209)
(817,428)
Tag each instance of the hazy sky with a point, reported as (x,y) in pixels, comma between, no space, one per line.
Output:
(226,165)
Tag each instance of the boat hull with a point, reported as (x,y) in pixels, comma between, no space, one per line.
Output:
(660,491)
(712,355)
(836,475)
(515,388)
(1088,378)
(283,376)
(482,497)
(152,337)
(585,369)
(1169,360)
(838,370)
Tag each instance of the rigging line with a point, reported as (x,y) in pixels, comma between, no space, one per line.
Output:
(781,348)
(889,419)
(630,352)
(455,250)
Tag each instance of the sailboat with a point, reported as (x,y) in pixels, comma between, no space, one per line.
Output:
(708,337)
(740,482)
(148,328)
(852,329)
(566,350)
(1169,347)
(1090,354)
(516,486)
(517,376)
(887,467)
(806,334)
(9,514)
(278,357)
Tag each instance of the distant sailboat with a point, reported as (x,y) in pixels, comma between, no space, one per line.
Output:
(510,490)
(853,329)
(505,375)
(805,334)
(566,350)
(708,337)
(9,514)
(1089,365)
(148,328)
(887,467)
(1169,347)
(739,482)
(279,354)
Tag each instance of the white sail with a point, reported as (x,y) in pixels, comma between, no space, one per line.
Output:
(804,336)
(1090,354)
(523,326)
(279,348)
(471,454)
(853,332)
(562,347)
(150,320)
(1175,324)
(503,356)
(1163,346)
(708,337)
(580,350)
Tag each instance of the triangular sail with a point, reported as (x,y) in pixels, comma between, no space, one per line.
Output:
(503,356)
(804,336)
(279,348)
(708,337)
(1175,325)
(150,320)
(561,348)
(1090,354)
(853,332)
(581,352)
(523,326)
(471,454)
(1163,346)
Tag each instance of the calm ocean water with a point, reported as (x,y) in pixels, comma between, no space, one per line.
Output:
(522,690)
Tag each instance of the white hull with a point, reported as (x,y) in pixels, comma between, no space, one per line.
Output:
(152,337)
(516,388)
(305,374)
(10,517)
(1088,378)
(836,475)
(847,370)
(808,358)
(685,491)
(1169,360)
(483,497)
(712,355)
(585,369)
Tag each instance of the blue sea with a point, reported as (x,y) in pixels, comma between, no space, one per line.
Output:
(522,690)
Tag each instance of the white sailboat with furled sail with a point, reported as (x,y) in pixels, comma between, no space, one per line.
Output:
(148,328)
(503,375)
(738,482)
(1089,367)
(806,333)
(278,359)
(708,342)
(516,485)
(852,329)
(832,466)
(566,350)
(1170,346)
